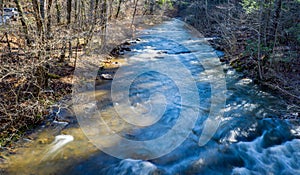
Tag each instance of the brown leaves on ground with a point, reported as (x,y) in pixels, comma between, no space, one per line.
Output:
(24,100)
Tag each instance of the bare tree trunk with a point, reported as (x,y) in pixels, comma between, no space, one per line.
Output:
(69,11)
(63,51)
(104,21)
(23,21)
(276,17)
(70,50)
(152,2)
(275,25)
(267,21)
(82,15)
(8,42)
(38,18)
(110,9)
(95,11)
(76,54)
(259,42)
(2,10)
(134,12)
(58,13)
(48,33)
(92,8)
(104,13)
(76,9)
(119,8)
(42,8)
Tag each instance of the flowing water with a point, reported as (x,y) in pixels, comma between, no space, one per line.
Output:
(250,137)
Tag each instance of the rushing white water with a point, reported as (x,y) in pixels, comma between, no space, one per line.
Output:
(59,142)
(279,159)
(130,166)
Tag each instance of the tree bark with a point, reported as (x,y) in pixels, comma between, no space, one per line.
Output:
(259,42)
(2,10)
(42,8)
(134,12)
(38,18)
(69,11)
(91,13)
(95,11)
(104,21)
(23,22)
(48,33)
(275,25)
(58,13)
(8,42)
(119,9)
(276,17)
(76,9)
(152,2)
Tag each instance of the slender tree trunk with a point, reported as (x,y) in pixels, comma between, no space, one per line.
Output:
(110,9)
(42,8)
(276,17)
(23,21)
(48,33)
(2,10)
(58,13)
(91,12)
(69,11)
(152,2)
(76,10)
(63,51)
(38,18)
(275,25)
(82,15)
(8,42)
(76,54)
(259,42)
(70,50)
(95,11)
(104,21)
(134,12)
(119,9)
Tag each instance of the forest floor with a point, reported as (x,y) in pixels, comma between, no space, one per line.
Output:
(19,113)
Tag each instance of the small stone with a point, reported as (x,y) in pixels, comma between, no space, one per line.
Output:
(125,49)
(106,76)
(127,43)
(222,59)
